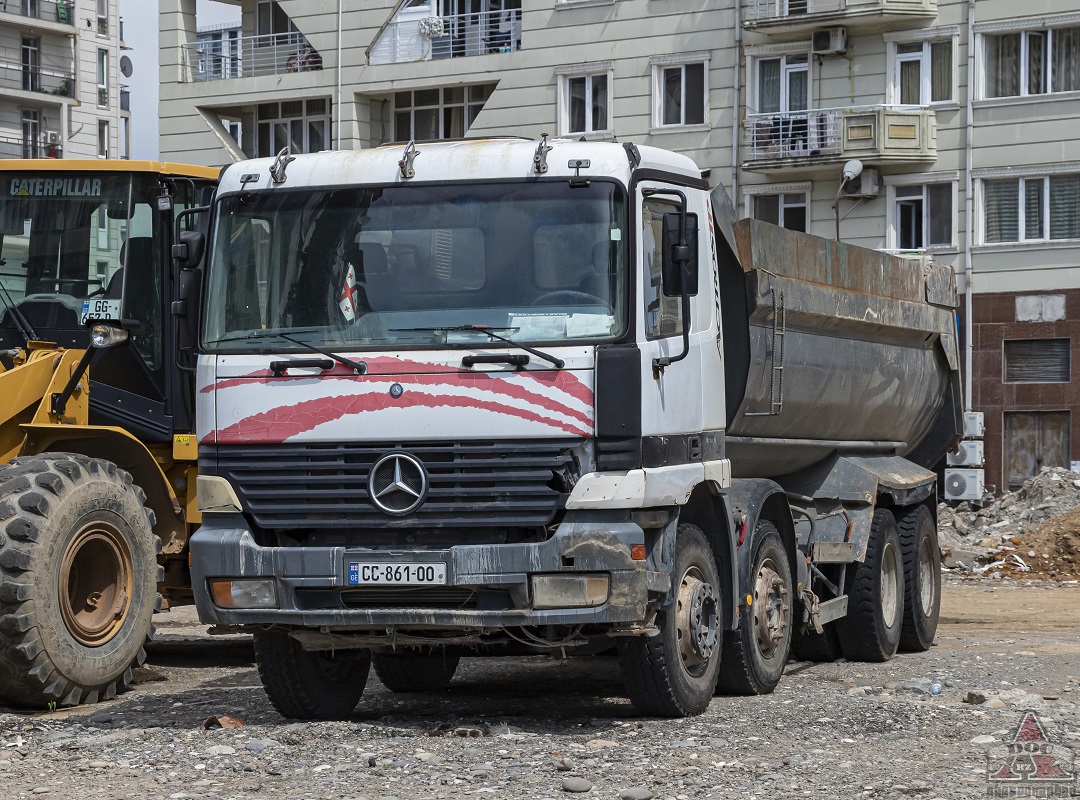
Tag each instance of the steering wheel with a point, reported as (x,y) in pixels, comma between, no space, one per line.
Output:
(570,295)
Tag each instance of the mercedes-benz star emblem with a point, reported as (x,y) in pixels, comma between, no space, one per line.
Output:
(398,483)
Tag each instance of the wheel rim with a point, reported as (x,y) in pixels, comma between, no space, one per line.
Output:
(927,588)
(697,622)
(95,583)
(770,608)
(890,595)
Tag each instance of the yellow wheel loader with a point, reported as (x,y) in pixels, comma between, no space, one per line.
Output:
(97,453)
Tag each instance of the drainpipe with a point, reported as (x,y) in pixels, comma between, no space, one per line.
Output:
(969,203)
(736,109)
(337,102)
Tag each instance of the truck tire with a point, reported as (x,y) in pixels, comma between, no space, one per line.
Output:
(755,652)
(78,580)
(922,579)
(820,648)
(673,674)
(304,684)
(416,671)
(875,616)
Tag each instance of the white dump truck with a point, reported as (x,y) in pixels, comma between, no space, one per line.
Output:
(506,396)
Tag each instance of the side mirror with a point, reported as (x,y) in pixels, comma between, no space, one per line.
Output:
(679,270)
(187,253)
(186,307)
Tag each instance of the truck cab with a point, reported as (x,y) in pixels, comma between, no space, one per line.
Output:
(478,395)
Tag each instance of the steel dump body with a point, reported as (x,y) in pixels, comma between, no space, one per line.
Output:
(837,348)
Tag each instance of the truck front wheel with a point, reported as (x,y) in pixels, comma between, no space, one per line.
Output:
(674,673)
(78,580)
(757,650)
(875,615)
(415,671)
(303,684)
(922,579)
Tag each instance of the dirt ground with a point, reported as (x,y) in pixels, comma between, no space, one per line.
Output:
(535,727)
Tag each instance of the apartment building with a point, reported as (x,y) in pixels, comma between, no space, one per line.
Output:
(961,113)
(60,80)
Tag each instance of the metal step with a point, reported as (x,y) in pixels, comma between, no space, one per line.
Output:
(832,609)
(833,553)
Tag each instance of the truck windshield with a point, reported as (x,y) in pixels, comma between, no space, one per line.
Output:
(74,242)
(356,268)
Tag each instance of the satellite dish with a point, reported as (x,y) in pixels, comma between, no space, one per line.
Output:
(125,66)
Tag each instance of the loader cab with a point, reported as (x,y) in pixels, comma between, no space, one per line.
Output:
(92,240)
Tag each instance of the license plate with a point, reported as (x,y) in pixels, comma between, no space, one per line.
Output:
(95,308)
(381,574)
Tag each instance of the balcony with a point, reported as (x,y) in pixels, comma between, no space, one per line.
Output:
(800,16)
(125,97)
(249,57)
(451,36)
(48,82)
(14,147)
(55,14)
(806,141)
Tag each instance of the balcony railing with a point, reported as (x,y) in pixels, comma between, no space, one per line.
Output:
(15,147)
(799,14)
(50,76)
(821,136)
(448,37)
(125,98)
(250,56)
(62,11)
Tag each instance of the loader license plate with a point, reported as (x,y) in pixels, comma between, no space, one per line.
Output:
(95,308)
(368,574)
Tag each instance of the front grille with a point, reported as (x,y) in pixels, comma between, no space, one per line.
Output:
(521,483)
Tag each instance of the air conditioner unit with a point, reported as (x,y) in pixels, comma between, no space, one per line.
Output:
(964,484)
(969,454)
(50,137)
(974,425)
(866,184)
(830,42)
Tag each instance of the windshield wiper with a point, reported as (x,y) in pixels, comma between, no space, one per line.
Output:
(558,363)
(358,366)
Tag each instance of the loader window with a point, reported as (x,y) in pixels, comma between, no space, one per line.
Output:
(358,267)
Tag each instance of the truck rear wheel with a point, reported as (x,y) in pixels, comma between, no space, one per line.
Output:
(674,673)
(757,650)
(875,616)
(415,671)
(78,579)
(922,579)
(303,684)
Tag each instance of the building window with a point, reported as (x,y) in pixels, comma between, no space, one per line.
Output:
(1032,62)
(781,84)
(301,125)
(787,209)
(923,216)
(103,77)
(923,73)
(31,64)
(1037,361)
(31,133)
(682,93)
(103,138)
(271,20)
(1031,208)
(431,114)
(586,106)
(103,17)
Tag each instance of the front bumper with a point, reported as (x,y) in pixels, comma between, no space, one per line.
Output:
(224,548)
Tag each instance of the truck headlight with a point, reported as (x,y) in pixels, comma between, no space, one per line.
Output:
(570,591)
(248,593)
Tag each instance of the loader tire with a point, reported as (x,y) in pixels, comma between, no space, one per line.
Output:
(303,684)
(673,674)
(78,580)
(922,579)
(756,651)
(415,671)
(875,615)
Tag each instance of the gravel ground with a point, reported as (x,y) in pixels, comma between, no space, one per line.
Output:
(535,728)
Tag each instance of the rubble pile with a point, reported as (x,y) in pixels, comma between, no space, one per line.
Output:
(1034,531)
